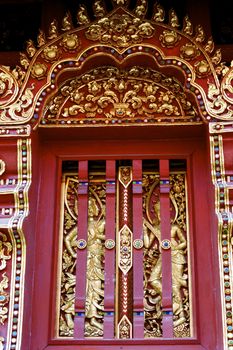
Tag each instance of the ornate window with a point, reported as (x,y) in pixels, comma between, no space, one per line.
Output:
(124,264)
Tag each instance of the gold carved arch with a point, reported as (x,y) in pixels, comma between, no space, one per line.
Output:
(116,38)
(139,71)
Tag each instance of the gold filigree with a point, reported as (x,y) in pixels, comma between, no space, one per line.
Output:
(51,53)
(125,249)
(112,93)
(5,254)
(19,111)
(159,13)
(125,176)
(141,8)
(41,39)
(202,68)
(173,19)
(216,59)
(99,9)
(200,35)
(152,257)
(125,328)
(227,84)
(2,341)
(120,2)
(31,50)
(189,51)
(38,70)
(120,30)
(7,86)
(217,104)
(209,47)
(24,60)
(82,15)
(70,42)
(179,257)
(67,22)
(53,31)
(187,26)
(169,38)
(69,248)
(2,167)
(95,262)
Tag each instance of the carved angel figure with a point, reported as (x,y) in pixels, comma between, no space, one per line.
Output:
(95,275)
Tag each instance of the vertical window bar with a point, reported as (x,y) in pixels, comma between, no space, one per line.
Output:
(81,262)
(166,249)
(138,251)
(109,288)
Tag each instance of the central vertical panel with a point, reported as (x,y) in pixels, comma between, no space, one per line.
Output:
(124,273)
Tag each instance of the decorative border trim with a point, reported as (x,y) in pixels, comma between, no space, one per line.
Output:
(225,219)
(14,335)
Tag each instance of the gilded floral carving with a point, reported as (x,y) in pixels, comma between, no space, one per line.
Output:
(5,254)
(111,93)
(120,30)
(169,38)
(19,111)
(189,51)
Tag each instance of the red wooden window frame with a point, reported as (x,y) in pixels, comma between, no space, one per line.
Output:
(205,304)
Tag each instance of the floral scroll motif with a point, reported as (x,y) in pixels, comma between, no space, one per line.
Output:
(120,30)
(153,258)
(5,254)
(95,261)
(68,274)
(108,93)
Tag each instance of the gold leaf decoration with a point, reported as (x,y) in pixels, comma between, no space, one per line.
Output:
(159,13)
(99,9)
(209,47)
(53,31)
(169,38)
(173,19)
(67,22)
(120,30)
(41,40)
(216,59)
(141,8)
(187,26)
(31,50)
(82,15)
(200,35)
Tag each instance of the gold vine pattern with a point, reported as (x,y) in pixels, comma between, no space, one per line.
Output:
(5,254)
(107,93)
(153,259)
(120,30)
(95,257)
(68,273)
(94,310)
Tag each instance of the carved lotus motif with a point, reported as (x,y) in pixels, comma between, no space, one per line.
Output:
(169,38)
(51,53)
(39,70)
(189,51)
(202,68)
(70,42)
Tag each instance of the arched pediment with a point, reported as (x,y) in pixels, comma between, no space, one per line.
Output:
(121,39)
